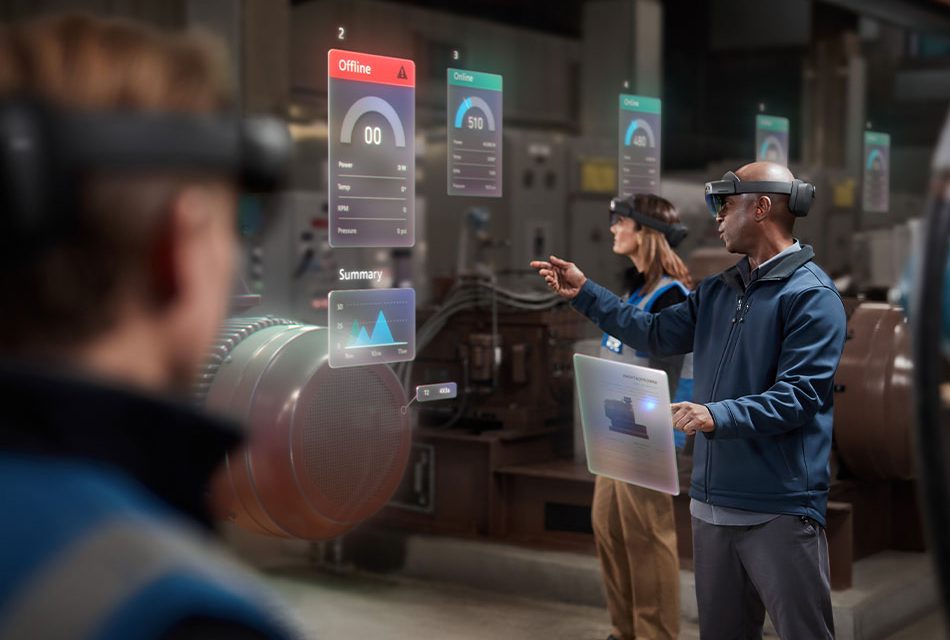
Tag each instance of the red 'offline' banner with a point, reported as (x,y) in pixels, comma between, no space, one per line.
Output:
(366,67)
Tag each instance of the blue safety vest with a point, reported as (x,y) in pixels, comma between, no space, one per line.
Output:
(614,349)
(88,554)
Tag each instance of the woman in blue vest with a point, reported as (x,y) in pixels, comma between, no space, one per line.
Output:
(633,526)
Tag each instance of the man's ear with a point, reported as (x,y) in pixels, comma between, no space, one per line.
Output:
(763,206)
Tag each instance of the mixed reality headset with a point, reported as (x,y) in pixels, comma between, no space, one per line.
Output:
(800,194)
(45,151)
(674,233)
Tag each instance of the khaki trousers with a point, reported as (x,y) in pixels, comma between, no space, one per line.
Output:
(636,543)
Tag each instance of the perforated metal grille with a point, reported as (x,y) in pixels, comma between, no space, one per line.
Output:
(354,441)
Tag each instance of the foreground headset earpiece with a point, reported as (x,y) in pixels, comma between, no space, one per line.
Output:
(800,194)
(44,151)
(674,233)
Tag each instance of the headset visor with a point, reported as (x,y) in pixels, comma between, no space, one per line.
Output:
(622,208)
(718,190)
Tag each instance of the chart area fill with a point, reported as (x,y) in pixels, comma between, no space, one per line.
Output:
(639,144)
(371,159)
(372,326)
(474,133)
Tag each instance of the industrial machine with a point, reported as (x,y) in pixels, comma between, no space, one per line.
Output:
(326,447)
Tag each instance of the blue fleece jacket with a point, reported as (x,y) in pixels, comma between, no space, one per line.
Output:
(764,360)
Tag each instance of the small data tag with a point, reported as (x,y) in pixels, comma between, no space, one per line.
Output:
(440,391)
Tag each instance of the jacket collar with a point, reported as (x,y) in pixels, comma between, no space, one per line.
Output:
(170,448)
(781,269)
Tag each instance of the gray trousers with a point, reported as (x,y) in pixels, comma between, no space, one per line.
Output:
(780,566)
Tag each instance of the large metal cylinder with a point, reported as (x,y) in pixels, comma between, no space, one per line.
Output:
(874,431)
(326,448)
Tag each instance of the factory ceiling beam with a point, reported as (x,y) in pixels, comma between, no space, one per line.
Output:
(929,17)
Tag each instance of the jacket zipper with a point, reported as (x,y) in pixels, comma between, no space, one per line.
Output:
(727,349)
(738,317)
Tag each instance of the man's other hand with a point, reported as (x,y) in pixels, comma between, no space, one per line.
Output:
(690,418)
(563,277)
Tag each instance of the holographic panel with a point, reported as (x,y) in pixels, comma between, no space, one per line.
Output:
(372,326)
(876,173)
(771,139)
(627,422)
(638,163)
(372,175)
(474,133)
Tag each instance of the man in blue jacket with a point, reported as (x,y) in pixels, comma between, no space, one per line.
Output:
(766,337)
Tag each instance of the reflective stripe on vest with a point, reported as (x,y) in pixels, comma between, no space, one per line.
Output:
(75,593)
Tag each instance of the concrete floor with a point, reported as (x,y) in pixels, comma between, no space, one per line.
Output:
(932,627)
(402,609)
(368,606)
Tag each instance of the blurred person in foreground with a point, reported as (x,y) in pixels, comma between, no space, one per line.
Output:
(105,531)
